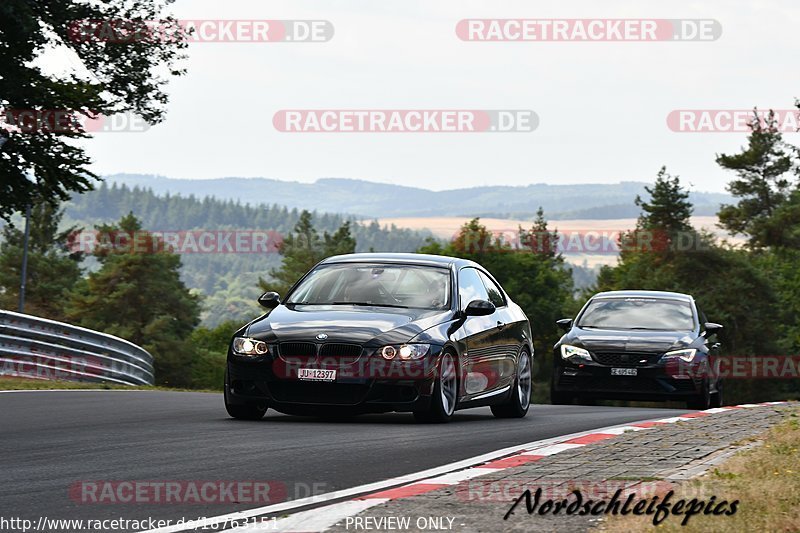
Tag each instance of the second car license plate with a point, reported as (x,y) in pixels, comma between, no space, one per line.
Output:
(316,374)
(623,371)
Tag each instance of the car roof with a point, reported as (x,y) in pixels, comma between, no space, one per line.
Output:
(402,258)
(645,294)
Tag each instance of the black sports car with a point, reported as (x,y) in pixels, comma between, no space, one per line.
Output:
(638,345)
(384,332)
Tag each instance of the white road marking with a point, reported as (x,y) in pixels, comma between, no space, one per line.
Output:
(312,520)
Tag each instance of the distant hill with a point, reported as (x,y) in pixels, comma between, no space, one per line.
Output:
(368,199)
(228,281)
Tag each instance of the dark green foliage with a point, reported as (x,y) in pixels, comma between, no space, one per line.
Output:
(669,208)
(139,296)
(53,267)
(121,78)
(211,345)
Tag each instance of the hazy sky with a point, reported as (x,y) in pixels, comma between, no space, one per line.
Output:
(602,106)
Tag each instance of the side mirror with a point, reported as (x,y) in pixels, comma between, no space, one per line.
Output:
(711,328)
(479,308)
(270,300)
(565,323)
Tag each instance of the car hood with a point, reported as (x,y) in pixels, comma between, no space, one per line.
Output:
(630,341)
(344,323)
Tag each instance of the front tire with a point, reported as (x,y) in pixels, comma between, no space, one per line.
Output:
(245,411)
(703,400)
(445,393)
(717,399)
(520,399)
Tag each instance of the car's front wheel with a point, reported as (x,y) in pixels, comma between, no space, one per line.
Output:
(520,399)
(248,411)
(445,393)
(702,401)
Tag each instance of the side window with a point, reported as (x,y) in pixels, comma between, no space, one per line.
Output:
(470,287)
(495,293)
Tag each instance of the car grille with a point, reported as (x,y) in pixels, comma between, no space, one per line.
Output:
(342,352)
(305,350)
(626,358)
(318,393)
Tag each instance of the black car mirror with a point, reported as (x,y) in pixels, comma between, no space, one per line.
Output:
(479,308)
(712,328)
(565,323)
(270,300)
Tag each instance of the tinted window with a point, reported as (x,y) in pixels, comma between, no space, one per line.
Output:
(495,293)
(638,313)
(376,284)
(470,287)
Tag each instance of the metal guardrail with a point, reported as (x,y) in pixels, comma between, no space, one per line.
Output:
(46,349)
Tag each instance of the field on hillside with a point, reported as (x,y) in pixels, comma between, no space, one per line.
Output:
(589,241)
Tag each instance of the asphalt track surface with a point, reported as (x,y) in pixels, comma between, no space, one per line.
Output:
(50,441)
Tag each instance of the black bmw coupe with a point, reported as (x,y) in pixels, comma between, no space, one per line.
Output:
(638,345)
(384,332)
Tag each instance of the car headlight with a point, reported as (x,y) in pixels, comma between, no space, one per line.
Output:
(251,347)
(686,355)
(573,352)
(405,352)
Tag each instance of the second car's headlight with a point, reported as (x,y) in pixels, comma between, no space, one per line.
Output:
(686,355)
(575,353)
(405,352)
(251,347)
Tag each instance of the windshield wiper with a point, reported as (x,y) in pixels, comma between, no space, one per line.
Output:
(369,304)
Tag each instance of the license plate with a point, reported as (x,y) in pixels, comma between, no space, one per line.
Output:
(624,371)
(316,374)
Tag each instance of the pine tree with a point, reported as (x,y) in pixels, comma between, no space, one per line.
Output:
(764,187)
(669,208)
(137,294)
(304,248)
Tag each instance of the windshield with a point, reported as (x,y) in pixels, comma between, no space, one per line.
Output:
(375,284)
(638,313)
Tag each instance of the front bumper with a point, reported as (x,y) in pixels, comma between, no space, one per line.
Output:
(368,388)
(652,382)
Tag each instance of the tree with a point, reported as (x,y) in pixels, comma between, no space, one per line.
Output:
(764,187)
(669,208)
(53,263)
(304,248)
(39,125)
(137,294)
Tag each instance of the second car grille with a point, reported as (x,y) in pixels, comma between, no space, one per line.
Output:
(626,359)
(340,353)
